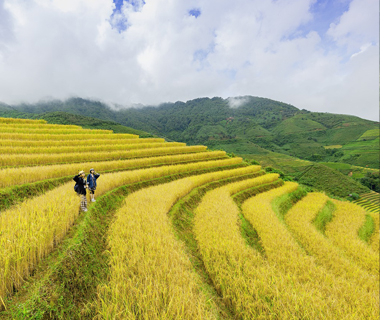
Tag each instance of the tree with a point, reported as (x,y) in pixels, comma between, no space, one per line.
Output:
(372,181)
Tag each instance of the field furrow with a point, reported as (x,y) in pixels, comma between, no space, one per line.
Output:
(15,176)
(151,277)
(69,143)
(22,121)
(337,297)
(89,148)
(53,131)
(77,266)
(343,231)
(23,126)
(247,282)
(44,159)
(375,238)
(72,137)
(176,232)
(29,231)
(300,220)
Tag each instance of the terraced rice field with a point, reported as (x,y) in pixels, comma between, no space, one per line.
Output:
(370,201)
(177,232)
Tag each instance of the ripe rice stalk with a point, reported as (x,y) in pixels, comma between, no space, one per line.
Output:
(17,176)
(77,136)
(22,121)
(89,148)
(40,159)
(52,131)
(337,295)
(343,231)
(248,284)
(151,277)
(299,220)
(39,126)
(28,232)
(84,142)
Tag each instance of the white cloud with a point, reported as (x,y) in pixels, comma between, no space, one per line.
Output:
(357,26)
(59,48)
(236,102)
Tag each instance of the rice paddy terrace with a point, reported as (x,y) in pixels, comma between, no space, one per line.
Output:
(177,232)
(370,201)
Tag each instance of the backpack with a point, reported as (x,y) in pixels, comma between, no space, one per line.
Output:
(76,188)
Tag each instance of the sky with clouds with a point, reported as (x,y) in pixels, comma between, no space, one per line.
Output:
(319,55)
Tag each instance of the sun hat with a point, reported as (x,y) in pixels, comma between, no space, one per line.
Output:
(81,172)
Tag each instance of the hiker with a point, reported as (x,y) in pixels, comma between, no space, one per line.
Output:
(91,181)
(80,188)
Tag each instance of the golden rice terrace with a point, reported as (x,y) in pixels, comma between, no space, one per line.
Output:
(177,232)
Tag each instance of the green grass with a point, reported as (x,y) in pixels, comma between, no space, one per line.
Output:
(324,216)
(345,168)
(298,124)
(283,204)
(370,134)
(331,181)
(366,231)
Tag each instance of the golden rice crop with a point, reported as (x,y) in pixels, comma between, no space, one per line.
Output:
(38,159)
(30,230)
(78,143)
(74,136)
(151,277)
(247,283)
(53,131)
(337,296)
(88,148)
(374,240)
(16,176)
(38,125)
(22,121)
(300,218)
(343,231)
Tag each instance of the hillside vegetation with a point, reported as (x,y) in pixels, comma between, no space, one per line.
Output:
(176,232)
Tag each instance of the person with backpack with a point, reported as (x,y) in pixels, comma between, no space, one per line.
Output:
(81,189)
(91,181)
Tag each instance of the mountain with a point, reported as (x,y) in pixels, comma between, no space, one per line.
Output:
(257,124)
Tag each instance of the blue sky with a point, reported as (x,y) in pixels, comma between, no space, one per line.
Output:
(317,55)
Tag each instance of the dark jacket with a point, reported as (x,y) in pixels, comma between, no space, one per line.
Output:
(81,183)
(91,181)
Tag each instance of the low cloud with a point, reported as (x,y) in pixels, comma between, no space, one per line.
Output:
(236,102)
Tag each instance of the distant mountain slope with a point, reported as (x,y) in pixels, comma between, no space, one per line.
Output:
(257,122)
